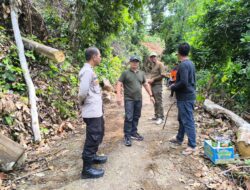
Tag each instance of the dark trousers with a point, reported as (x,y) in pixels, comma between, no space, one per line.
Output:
(172,92)
(158,106)
(94,136)
(186,122)
(132,115)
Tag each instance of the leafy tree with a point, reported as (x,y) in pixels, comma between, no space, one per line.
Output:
(90,28)
(219,34)
(157,9)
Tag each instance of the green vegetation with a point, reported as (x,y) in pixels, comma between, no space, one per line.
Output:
(10,71)
(115,27)
(219,34)
(218,31)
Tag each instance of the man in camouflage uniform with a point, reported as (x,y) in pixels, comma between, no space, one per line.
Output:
(156,75)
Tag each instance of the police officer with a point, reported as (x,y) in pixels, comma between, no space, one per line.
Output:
(90,98)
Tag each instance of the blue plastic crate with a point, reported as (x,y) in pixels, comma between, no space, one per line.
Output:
(218,155)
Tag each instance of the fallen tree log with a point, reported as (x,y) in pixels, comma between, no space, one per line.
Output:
(11,153)
(243,133)
(47,51)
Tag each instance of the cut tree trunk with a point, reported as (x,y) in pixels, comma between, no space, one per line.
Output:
(26,73)
(11,153)
(243,133)
(47,51)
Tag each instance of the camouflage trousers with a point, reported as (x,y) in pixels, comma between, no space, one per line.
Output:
(157,93)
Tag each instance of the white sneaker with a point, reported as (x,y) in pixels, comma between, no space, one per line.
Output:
(159,121)
(189,151)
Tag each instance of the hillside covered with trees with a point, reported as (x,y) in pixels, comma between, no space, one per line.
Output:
(217,30)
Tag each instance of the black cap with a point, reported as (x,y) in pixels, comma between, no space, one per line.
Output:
(135,58)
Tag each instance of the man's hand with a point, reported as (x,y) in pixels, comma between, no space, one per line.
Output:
(165,75)
(81,100)
(118,93)
(170,86)
(119,100)
(150,81)
(152,99)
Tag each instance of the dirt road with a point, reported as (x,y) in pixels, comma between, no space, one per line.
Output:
(151,164)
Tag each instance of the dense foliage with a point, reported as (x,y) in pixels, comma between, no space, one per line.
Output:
(115,27)
(81,24)
(219,34)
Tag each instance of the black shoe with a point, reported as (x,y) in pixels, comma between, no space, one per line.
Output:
(137,137)
(127,141)
(100,159)
(89,173)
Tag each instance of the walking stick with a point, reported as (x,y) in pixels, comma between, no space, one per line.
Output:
(167,115)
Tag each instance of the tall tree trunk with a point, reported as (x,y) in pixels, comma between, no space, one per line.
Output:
(26,73)
(27,5)
(75,25)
